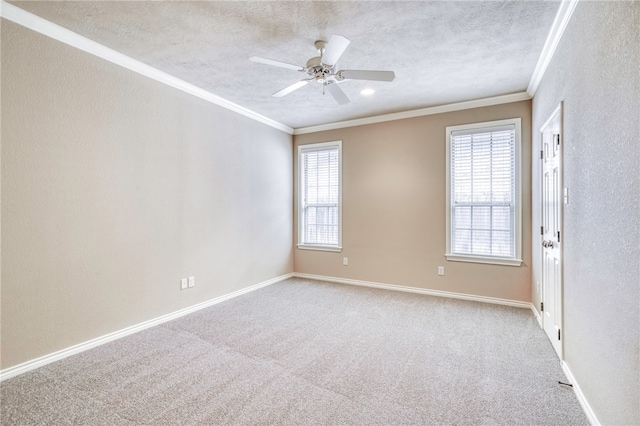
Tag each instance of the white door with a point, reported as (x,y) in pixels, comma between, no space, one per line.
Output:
(552,198)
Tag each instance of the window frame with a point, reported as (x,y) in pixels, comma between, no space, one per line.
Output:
(301,202)
(496,260)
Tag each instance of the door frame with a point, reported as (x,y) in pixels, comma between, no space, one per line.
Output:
(558,110)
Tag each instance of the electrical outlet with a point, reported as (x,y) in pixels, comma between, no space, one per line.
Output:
(183,283)
(345,261)
(192,281)
(440,270)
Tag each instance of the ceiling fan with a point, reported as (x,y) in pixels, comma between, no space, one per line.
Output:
(322,70)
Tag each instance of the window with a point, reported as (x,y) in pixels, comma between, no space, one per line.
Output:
(320,196)
(483,193)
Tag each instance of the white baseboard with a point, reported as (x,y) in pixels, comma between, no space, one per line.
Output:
(395,287)
(81,347)
(537,315)
(588,411)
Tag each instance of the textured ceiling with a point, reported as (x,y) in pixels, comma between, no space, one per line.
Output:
(441,51)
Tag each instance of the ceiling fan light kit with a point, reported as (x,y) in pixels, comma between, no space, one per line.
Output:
(322,70)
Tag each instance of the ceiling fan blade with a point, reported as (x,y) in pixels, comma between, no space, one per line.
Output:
(335,48)
(275,63)
(337,93)
(289,89)
(367,75)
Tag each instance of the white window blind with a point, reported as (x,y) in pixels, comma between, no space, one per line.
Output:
(483,212)
(320,195)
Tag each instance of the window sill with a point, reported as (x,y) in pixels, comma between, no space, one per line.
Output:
(335,249)
(480,259)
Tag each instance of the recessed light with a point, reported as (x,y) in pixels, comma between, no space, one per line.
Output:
(367,92)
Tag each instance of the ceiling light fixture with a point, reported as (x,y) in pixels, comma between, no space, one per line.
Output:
(367,92)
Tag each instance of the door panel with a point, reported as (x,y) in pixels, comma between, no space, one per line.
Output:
(552,230)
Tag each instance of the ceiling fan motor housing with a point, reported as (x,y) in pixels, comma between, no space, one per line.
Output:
(322,73)
(314,62)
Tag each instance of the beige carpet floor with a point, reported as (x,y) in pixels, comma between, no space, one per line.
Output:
(307,352)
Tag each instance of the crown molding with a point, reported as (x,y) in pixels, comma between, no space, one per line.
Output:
(477,103)
(56,32)
(553,38)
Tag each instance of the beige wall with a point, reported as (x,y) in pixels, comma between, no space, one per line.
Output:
(114,187)
(394,207)
(594,72)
